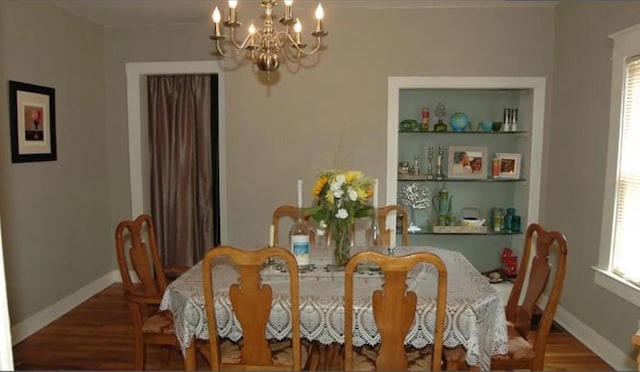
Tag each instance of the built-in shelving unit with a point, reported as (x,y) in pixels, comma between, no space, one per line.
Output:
(481,99)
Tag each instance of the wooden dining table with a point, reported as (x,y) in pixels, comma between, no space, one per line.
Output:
(475,316)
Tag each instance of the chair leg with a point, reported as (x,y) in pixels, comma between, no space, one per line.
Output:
(165,354)
(139,353)
(314,357)
(190,357)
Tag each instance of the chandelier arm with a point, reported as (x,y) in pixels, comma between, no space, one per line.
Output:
(238,48)
(234,39)
(299,49)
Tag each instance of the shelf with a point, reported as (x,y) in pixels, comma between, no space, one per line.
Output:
(465,133)
(424,179)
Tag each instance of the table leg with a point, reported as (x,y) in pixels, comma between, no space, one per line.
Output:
(190,356)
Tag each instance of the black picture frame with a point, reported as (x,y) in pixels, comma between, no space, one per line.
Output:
(32,113)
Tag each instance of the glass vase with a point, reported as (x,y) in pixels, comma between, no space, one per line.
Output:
(341,236)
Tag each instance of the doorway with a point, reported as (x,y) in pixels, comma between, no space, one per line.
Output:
(137,74)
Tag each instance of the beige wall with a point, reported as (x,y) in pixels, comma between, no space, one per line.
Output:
(292,129)
(56,231)
(579,132)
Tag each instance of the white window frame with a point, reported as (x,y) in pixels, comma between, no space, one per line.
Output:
(626,43)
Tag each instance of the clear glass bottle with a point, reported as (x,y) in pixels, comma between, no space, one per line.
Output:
(299,235)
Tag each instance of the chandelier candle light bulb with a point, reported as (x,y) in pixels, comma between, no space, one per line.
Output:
(216,22)
(298,29)
(319,16)
(232,10)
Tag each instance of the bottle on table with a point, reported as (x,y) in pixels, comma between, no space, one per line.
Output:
(299,235)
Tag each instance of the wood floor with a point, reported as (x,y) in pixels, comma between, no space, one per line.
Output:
(96,336)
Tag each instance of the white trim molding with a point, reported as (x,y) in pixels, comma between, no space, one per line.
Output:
(609,352)
(136,73)
(625,44)
(613,283)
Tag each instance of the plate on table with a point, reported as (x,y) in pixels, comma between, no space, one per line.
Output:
(495,276)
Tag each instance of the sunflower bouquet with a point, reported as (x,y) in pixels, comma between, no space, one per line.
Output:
(340,198)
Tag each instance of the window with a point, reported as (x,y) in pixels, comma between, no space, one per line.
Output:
(625,250)
(618,268)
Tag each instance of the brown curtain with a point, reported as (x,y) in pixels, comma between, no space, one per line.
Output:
(181,166)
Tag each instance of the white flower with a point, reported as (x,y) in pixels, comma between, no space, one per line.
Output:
(334,186)
(340,179)
(322,226)
(342,213)
(338,193)
(353,195)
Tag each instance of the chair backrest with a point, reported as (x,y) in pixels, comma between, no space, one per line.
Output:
(251,301)
(394,308)
(401,212)
(286,211)
(138,239)
(547,243)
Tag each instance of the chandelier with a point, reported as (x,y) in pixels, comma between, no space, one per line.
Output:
(266,45)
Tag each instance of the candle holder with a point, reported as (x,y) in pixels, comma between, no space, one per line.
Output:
(439,171)
(429,163)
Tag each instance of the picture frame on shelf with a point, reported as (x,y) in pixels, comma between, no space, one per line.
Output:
(32,113)
(509,165)
(467,162)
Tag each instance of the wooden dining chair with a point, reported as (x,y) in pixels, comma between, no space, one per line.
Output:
(252,303)
(394,309)
(401,213)
(137,253)
(291,212)
(526,345)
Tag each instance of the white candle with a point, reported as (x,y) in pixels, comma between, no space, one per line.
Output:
(375,193)
(392,238)
(272,230)
(299,192)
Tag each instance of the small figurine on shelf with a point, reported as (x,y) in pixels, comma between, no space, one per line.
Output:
(415,197)
(441,111)
(509,262)
(415,169)
(425,119)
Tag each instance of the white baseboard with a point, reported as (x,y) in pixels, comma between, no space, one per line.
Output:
(615,357)
(47,315)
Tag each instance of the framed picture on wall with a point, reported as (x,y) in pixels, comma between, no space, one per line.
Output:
(467,162)
(510,165)
(32,113)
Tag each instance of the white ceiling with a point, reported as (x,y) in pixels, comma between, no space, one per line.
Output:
(130,12)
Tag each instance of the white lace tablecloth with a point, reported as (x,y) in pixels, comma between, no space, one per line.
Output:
(475,313)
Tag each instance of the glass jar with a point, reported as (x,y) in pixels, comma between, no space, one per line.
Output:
(516,224)
(497,219)
(507,224)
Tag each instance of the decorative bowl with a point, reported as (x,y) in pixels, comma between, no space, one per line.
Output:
(487,126)
(408,125)
(472,221)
